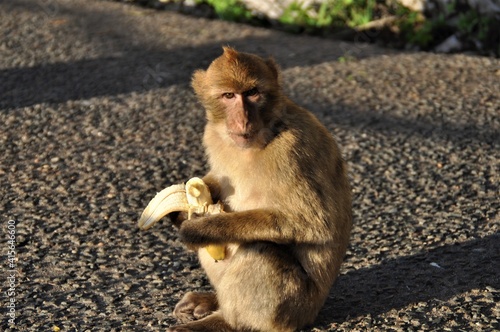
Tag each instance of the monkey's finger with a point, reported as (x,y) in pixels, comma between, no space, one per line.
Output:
(170,199)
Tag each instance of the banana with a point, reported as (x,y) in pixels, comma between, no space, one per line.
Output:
(199,199)
(198,196)
(193,198)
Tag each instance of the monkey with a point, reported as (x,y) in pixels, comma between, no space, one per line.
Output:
(282,180)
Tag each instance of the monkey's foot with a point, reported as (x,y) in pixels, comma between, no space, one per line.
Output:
(195,306)
(212,323)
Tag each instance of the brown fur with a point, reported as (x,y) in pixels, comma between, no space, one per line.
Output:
(284,185)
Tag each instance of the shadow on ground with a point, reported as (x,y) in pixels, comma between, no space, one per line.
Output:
(440,273)
(138,67)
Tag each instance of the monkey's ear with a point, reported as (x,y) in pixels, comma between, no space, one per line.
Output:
(197,82)
(229,52)
(274,68)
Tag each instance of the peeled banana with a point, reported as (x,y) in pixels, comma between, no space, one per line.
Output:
(193,198)
(199,197)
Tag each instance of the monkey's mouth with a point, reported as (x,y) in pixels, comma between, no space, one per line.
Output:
(243,140)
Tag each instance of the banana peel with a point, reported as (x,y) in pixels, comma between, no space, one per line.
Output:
(193,198)
(170,199)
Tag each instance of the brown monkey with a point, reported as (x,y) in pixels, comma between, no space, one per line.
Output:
(284,186)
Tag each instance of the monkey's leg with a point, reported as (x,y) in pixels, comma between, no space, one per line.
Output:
(195,306)
(266,289)
(212,323)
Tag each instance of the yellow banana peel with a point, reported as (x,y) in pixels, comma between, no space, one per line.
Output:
(218,252)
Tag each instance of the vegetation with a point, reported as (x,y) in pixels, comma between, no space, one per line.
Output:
(383,21)
(478,32)
(231,10)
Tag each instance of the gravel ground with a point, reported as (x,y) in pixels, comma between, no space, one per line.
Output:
(97,116)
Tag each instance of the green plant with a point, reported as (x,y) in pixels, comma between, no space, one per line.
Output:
(345,59)
(361,13)
(295,15)
(418,30)
(230,10)
(324,17)
(338,13)
(405,27)
(473,25)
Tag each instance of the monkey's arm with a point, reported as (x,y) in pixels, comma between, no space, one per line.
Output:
(246,226)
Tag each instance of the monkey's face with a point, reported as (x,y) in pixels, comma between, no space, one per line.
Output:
(240,91)
(243,120)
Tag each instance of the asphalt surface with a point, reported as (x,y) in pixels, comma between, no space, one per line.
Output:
(97,116)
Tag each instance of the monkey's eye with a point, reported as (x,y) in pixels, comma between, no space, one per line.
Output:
(251,92)
(228,95)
